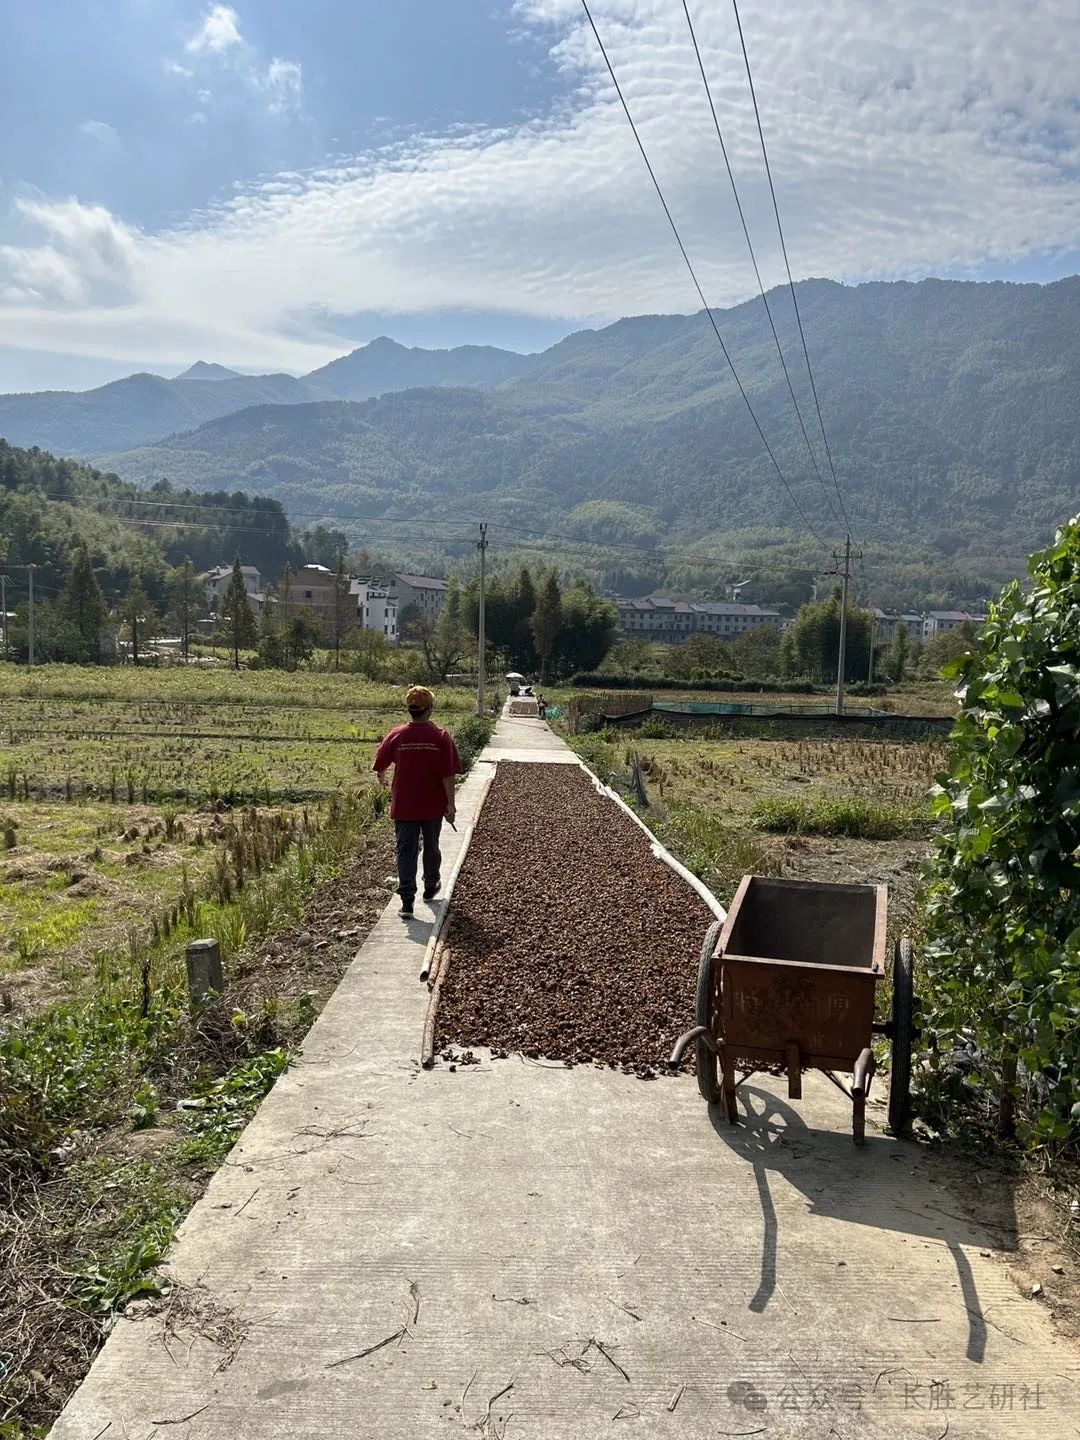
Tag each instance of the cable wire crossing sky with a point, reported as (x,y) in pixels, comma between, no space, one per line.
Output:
(267,185)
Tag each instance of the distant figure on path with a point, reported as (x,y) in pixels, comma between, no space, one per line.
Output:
(541,706)
(425,761)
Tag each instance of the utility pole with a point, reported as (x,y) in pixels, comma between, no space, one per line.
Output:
(870,667)
(3,614)
(30,572)
(481,707)
(842,658)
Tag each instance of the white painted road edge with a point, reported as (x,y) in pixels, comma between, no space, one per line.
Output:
(662,854)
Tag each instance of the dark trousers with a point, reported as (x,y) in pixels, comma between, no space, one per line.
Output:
(408,848)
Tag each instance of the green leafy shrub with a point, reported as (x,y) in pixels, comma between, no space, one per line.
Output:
(839,815)
(470,737)
(1003,910)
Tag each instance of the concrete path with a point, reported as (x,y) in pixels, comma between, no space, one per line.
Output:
(514,1249)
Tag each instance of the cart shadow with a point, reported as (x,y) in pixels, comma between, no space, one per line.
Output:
(884,1185)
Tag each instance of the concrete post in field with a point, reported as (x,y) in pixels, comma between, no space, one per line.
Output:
(203,971)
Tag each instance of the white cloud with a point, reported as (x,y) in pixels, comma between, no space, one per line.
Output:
(103,133)
(173,67)
(946,140)
(283,85)
(220,28)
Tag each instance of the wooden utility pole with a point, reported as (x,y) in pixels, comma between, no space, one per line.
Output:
(842,659)
(481,699)
(30,572)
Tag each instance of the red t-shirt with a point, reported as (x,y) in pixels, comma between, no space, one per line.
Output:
(422,756)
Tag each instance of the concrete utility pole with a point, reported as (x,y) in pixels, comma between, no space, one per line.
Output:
(481,706)
(870,667)
(842,659)
(3,613)
(30,572)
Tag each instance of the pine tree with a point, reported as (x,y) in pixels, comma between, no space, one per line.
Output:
(187,602)
(340,619)
(82,605)
(546,624)
(139,617)
(898,653)
(236,613)
(271,647)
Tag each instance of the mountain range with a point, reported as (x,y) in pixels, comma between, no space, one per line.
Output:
(950,409)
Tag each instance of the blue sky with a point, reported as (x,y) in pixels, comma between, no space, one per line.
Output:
(267,184)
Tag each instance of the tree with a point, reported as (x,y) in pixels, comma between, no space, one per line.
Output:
(896,662)
(588,629)
(444,641)
(300,637)
(341,617)
(1003,916)
(270,647)
(756,653)
(547,623)
(815,635)
(372,651)
(235,615)
(82,606)
(139,616)
(187,603)
(520,607)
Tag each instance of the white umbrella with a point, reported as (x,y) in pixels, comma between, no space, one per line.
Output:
(515,675)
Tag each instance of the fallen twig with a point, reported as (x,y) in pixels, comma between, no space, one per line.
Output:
(414,1291)
(610,1359)
(915,1319)
(620,1306)
(379,1345)
(248,1201)
(676,1398)
(180,1419)
(720,1329)
(465,1392)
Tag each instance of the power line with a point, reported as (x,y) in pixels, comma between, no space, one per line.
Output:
(697,283)
(753,260)
(787,264)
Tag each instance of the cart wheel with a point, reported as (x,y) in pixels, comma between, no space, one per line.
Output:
(903,1025)
(707,1077)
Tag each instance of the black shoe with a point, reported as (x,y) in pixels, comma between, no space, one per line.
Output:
(433,890)
(406,909)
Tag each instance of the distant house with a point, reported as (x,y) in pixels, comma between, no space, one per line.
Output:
(673,621)
(422,593)
(940,622)
(886,624)
(216,582)
(376,607)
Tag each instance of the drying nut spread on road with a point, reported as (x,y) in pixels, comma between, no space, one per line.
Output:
(567,938)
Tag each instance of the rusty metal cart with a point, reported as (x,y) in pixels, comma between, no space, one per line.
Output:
(788,981)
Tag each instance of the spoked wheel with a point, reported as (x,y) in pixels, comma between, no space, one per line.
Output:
(708,1077)
(903,1035)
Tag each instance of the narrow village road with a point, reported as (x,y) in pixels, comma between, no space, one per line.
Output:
(516,1249)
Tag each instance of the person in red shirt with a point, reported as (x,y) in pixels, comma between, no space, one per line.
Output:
(425,761)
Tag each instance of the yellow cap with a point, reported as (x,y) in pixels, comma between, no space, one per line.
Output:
(419,697)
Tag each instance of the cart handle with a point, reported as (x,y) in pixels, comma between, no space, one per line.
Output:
(699,1032)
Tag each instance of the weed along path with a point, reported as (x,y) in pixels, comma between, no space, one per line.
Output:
(520,1248)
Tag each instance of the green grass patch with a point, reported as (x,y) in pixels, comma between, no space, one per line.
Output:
(839,815)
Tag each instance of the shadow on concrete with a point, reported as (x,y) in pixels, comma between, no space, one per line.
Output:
(884,1184)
